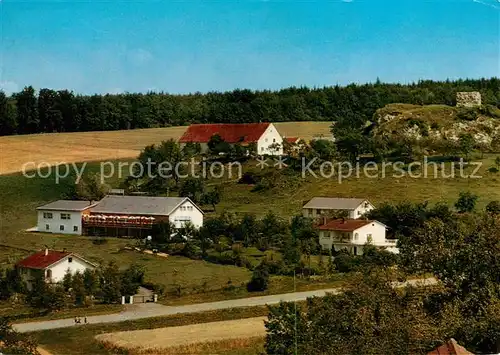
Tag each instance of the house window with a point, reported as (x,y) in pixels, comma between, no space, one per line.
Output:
(356,235)
(369,238)
(65,216)
(49,274)
(359,213)
(266,140)
(190,208)
(70,259)
(274,140)
(261,149)
(318,211)
(75,228)
(61,227)
(47,227)
(47,215)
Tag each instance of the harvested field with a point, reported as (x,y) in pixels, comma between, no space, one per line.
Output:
(186,339)
(53,148)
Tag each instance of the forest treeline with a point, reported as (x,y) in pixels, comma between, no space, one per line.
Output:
(46,110)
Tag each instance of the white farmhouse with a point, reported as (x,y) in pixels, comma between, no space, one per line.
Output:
(265,136)
(326,206)
(63,216)
(51,266)
(353,234)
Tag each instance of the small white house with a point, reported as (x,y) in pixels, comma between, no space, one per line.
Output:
(51,266)
(63,216)
(265,136)
(353,234)
(326,206)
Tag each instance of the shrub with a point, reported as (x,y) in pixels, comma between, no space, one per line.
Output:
(493,207)
(493,170)
(467,114)
(249,178)
(260,279)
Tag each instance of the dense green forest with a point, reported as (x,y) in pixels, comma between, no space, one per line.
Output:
(48,110)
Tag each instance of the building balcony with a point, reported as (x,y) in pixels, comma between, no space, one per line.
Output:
(117,221)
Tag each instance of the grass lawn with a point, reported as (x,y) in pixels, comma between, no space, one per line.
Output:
(239,197)
(80,339)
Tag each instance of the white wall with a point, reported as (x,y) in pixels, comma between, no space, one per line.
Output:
(60,269)
(362,209)
(55,222)
(357,239)
(352,214)
(186,211)
(269,137)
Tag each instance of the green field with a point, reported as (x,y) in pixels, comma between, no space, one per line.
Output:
(20,196)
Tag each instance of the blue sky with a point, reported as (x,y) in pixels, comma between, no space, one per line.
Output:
(186,46)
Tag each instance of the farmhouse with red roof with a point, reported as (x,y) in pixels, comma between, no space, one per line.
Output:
(353,234)
(51,266)
(264,135)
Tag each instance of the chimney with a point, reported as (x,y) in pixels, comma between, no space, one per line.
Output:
(46,250)
(343,219)
(324,220)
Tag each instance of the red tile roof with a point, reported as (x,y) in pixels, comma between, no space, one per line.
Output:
(231,133)
(40,261)
(451,347)
(292,139)
(344,225)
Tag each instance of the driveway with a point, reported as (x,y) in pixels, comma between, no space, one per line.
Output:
(148,310)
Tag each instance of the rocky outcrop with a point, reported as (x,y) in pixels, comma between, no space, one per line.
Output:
(468,99)
(435,123)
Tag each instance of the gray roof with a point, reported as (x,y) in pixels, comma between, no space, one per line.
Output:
(67,205)
(334,203)
(142,205)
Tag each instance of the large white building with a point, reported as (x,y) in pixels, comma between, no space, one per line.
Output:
(117,215)
(51,266)
(326,206)
(265,136)
(353,234)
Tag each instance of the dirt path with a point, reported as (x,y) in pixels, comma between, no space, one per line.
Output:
(151,339)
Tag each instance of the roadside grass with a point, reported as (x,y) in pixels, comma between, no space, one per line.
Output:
(24,313)
(79,340)
(277,285)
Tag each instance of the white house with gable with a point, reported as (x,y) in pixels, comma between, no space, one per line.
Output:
(51,266)
(63,216)
(353,234)
(325,206)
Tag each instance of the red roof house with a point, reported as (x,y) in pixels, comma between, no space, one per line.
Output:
(451,347)
(42,259)
(265,135)
(51,266)
(344,225)
(231,133)
(292,140)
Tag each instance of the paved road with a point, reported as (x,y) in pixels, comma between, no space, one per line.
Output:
(148,310)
